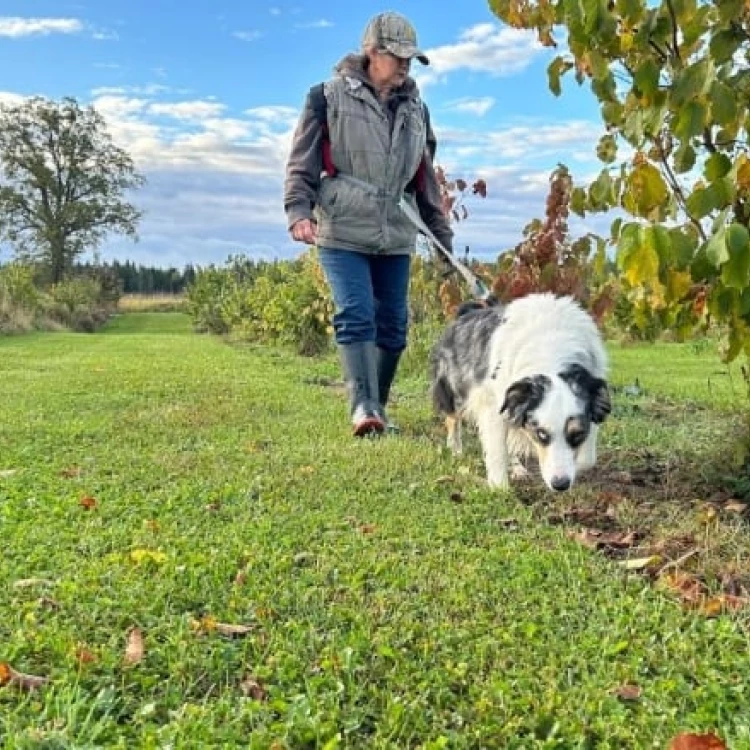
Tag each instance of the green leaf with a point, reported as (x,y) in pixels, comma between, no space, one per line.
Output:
(606,149)
(700,203)
(683,247)
(612,113)
(723,104)
(637,256)
(645,190)
(578,201)
(684,158)
(723,45)
(555,70)
(632,128)
(717,252)
(691,120)
(717,166)
(693,81)
(658,237)
(736,271)
(647,77)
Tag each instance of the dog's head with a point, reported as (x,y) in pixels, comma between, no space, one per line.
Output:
(556,413)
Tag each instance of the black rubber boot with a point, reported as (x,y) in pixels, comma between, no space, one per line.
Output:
(359,361)
(387,364)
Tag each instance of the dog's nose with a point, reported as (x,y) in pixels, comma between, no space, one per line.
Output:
(560,484)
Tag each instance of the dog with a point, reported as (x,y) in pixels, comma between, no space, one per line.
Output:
(531,376)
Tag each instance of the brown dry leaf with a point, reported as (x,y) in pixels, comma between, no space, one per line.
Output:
(84,655)
(691,589)
(687,741)
(253,688)
(596,539)
(232,631)
(241,578)
(135,648)
(71,472)
(735,506)
(9,676)
(213,507)
(47,602)
(716,605)
(87,502)
(628,692)
(152,525)
(368,528)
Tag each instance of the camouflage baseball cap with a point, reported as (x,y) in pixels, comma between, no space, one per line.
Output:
(393,33)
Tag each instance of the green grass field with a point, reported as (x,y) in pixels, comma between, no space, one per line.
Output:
(159,482)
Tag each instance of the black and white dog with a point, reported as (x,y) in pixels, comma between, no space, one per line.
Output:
(531,376)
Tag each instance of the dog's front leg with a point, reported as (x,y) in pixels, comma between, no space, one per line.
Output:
(493,434)
(587,455)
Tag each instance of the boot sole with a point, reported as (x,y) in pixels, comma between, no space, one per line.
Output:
(369,426)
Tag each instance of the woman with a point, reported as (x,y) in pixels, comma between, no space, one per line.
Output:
(364,142)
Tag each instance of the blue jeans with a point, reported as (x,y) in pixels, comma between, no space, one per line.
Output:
(371,294)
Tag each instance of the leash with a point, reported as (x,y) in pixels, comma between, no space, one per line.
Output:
(478,288)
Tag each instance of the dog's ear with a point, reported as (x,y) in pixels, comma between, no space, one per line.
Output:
(593,389)
(522,397)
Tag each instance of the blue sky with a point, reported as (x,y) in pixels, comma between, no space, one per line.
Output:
(205,96)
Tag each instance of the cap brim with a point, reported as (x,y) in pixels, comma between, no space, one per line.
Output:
(407,52)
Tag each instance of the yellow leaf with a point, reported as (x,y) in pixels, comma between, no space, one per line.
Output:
(141,556)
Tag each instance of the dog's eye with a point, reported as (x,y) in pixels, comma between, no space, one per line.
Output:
(542,436)
(576,438)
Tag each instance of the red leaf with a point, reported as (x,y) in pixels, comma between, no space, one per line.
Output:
(687,741)
(87,502)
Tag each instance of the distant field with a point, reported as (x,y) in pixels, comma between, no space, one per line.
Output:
(152,303)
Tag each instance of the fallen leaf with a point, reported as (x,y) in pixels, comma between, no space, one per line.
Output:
(596,539)
(71,472)
(232,631)
(152,525)
(134,648)
(213,507)
(84,655)
(253,688)
(735,506)
(9,676)
(368,528)
(47,602)
(7,473)
(87,502)
(241,578)
(628,692)
(27,583)
(641,563)
(687,741)
(716,605)
(691,589)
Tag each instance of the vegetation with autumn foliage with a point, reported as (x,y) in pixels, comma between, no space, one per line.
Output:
(673,82)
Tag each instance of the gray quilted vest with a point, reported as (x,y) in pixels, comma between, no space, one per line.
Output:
(358,208)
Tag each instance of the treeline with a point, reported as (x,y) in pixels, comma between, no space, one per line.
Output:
(139,279)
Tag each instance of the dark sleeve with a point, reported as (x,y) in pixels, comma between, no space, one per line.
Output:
(304,167)
(428,195)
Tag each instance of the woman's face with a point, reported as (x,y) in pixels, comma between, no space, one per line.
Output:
(387,70)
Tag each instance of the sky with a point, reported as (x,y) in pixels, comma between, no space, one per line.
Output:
(205,97)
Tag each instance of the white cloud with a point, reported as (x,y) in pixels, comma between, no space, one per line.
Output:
(479,106)
(484,48)
(322,23)
(103,35)
(16,27)
(248,36)
(198,109)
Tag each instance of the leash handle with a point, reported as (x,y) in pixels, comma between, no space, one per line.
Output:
(478,288)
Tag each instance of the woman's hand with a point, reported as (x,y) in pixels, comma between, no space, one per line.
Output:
(305,230)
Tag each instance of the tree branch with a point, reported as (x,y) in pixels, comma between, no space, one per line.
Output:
(675,41)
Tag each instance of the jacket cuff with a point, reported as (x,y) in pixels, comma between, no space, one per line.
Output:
(296,212)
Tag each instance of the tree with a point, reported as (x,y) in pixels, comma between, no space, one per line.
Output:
(62,182)
(673,82)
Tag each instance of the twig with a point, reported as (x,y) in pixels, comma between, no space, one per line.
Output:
(676,563)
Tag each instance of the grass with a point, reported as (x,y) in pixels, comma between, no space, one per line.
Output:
(392,600)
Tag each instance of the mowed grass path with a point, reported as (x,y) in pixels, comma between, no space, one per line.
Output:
(392,600)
